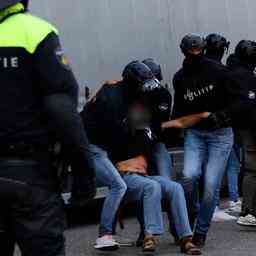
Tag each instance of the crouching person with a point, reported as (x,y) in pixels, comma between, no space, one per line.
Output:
(143,184)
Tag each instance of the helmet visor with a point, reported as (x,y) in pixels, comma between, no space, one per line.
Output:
(150,85)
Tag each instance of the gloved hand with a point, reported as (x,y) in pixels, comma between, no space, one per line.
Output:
(83,190)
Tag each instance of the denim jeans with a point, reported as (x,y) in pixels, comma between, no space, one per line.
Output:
(162,161)
(107,175)
(232,171)
(212,149)
(150,190)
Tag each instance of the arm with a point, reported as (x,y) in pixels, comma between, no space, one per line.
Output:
(186,121)
(59,90)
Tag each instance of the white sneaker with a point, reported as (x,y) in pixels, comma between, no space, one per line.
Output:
(221,215)
(235,207)
(106,243)
(248,220)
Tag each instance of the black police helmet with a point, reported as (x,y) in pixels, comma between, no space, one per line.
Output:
(154,67)
(216,46)
(246,51)
(216,42)
(192,42)
(139,77)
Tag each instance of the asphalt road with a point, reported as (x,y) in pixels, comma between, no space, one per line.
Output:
(225,239)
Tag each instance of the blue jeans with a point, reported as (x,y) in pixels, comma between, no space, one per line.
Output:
(150,190)
(107,175)
(232,171)
(212,149)
(162,161)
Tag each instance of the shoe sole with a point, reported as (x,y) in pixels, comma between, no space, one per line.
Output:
(246,225)
(148,253)
(107,248)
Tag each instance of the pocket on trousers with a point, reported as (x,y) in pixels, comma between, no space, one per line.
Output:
(13,190)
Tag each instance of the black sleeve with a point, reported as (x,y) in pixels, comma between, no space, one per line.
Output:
(60,92)
(237,110)
(178,100)
(144,142)
(242,105)
(53,69)
(163,105)
(161,108)
(68,128)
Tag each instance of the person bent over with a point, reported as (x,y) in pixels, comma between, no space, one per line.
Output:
(143,184)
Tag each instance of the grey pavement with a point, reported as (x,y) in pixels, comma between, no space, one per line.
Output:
(225,239)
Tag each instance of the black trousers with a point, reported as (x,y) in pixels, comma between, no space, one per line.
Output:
(7,242)
(30,216)
(248,138)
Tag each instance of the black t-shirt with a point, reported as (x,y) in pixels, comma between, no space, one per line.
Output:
(200,87)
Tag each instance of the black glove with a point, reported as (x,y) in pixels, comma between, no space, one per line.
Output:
(215,121)
(83,190)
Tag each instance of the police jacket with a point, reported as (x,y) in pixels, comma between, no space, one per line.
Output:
(38,96)
(242,111)
(200,86)
(105,117)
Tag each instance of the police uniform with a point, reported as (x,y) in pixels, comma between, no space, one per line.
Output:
(38,104)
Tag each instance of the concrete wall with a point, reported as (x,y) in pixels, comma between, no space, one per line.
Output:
(101,36)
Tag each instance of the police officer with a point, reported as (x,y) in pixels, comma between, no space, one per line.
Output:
(38,106)
(200,86)
(105,120)
(242,65)
(216,46)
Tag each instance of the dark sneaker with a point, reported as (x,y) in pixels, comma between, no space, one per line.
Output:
(149,244)
(199,240)
(140,240)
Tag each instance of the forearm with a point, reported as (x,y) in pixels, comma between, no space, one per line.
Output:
(186,121)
